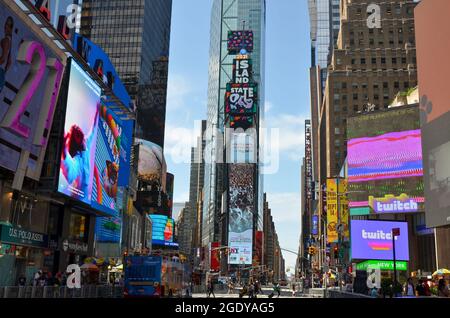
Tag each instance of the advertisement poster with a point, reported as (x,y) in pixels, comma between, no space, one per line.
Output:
(315,225)
(385,160)
(372,240)
(30,80)
(80,136)
(332,213)
(215,256)
(162,230)
(242,207)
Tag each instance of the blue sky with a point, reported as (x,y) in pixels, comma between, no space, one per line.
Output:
(287,101)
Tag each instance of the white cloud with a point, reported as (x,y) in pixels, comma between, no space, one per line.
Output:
(178,143)
(268,106)
(291,143)
(179,87)
(285,206)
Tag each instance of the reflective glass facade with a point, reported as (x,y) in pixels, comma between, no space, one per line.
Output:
(227,15)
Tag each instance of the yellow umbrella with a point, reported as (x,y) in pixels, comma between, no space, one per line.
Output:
(442,271)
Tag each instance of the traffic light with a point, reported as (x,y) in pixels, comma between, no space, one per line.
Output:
(336,252)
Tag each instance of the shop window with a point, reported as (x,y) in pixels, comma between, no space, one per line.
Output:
(78,227)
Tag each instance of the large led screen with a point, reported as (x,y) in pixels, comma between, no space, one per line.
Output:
(30,80)
(241,212)
(162,230)
(240,40)
(385,161)
(80,136)
(151,162)
(372,240)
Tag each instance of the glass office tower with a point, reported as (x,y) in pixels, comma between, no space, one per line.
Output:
(228,15)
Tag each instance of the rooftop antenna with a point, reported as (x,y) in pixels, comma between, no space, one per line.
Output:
(243,50)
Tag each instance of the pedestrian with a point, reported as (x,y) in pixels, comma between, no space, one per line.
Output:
(293,290)
(277,289)
(211,289)
(251,291)
(37,278)
(420,288)
(22,281)
(408,289)
(442,288)
(374,292)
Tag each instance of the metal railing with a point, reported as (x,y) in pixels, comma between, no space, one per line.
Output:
(88,291)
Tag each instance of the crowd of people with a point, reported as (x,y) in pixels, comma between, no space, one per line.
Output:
(421,289)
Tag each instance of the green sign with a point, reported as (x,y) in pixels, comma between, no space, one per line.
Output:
(382,265)
(14,235)
(360,211)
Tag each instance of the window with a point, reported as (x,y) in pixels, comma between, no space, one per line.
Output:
(385,85)
(396,85)
(363,61)
(404,60)
(355,108)
(371,42)
(375,86)
(344,86)
(77,227)
(337,97)
(344,98)
(355,85)
(374,60)
(376,97)
(355,96)
(394,60)
(344,109)
(337,131)
(406,85)
(364,85)
(383,60)
(337,142)
(353,61)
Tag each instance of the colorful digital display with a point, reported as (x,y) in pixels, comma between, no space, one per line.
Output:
(388,156)
(315,225)
(30,81)
(214,252)
(162,230)
(385,159)
(372,240)
(241,212)
(240,40)
(151,162)
(80,136)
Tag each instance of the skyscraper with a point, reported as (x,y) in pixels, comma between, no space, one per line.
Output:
(374,60)
(136,36)
(228,15)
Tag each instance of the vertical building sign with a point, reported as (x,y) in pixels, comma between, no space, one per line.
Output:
(241,212)
(332,211)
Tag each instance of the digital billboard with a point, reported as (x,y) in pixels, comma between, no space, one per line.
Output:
(372,240)
(151,162)
(241,213)
(100,63)
(241,99)
(385,169)
(214,252)
(80,136)
(30,80)
(240,40)
(162,230)
(430,17)
(315,225)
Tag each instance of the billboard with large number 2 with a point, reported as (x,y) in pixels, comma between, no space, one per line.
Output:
(30,80)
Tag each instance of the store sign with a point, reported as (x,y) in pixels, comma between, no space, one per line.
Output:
(75,247)
(13,235)
(100,63)
(382,265)
(372,240)
(393,204)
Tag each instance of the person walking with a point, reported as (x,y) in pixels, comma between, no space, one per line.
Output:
(408,289)
(420,288)
(293,290)
(211,289)
(442,288)
(37,278)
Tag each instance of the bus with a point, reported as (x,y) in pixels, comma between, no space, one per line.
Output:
(142,276)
